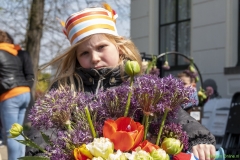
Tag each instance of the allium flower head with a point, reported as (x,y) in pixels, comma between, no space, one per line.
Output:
(171,130)
(154,95)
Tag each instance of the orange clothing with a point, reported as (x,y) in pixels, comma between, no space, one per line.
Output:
(12,49)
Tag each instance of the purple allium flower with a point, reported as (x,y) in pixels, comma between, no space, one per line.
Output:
(155,95)
(113,102)
(48,107)
(171,130)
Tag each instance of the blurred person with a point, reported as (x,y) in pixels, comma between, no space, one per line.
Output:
(16,80)
(188,79)
(210,86)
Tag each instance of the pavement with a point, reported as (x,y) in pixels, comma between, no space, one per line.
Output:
(3,152)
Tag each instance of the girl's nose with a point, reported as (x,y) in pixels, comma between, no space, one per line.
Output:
(95,57)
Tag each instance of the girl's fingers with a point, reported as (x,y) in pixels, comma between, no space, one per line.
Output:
(212,152)
(195,151)
(204,151)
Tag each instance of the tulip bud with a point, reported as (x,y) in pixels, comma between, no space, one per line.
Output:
(16,130)
(172,146)
(132,68)
(159,154)
(197,79)
(191,68)
(201,94)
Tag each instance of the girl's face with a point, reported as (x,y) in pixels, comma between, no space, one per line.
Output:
(97,52)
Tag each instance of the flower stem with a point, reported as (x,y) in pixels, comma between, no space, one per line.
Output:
(143,120)
(146,126)
(161,126)
(129,98)
(90,122)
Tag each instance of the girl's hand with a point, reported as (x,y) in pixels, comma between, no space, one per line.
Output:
(204,151)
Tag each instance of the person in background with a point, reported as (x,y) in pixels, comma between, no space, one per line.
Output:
(188,79)
(16,80)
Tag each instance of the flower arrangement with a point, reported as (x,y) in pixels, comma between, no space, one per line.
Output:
(125,122)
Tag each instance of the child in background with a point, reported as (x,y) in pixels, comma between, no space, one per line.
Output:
(95,60)
(189,80)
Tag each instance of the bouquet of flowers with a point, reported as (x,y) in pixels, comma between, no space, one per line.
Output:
(125,122)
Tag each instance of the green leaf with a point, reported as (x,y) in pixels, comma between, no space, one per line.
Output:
(34,158)
(46,138)
(30,144)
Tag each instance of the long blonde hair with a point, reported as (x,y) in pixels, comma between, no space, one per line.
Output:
(67,62)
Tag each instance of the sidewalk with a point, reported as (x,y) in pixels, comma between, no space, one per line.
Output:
(3,153)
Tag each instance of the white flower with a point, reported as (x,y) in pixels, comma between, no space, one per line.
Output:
(139,155)
(101,147)
(117,156)
(159,154)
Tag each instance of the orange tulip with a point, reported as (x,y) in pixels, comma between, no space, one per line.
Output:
(125,133)
(148,146)
(81,153)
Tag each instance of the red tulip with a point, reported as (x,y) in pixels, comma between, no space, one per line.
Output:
(148,146)
(125,133)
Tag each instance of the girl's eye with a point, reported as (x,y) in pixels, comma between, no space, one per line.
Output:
(101,47)
(83,53)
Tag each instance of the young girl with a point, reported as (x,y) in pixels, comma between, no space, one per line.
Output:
(96,59)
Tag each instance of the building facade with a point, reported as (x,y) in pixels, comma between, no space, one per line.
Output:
(205,30)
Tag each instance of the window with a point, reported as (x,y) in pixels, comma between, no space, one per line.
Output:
(175,29)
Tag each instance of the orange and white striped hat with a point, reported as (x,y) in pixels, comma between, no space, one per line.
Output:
(90,21)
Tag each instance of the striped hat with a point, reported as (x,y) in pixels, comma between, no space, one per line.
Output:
(90,21)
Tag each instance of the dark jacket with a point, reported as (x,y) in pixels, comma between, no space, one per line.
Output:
(196,132)
(15,71)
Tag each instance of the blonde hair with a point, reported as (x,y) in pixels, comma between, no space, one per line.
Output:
(67,62)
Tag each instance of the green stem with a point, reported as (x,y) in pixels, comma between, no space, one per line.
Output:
(166,58)
(146,127)
(161,126)
(90,122)
(68,126)
(143,120)
(129,98)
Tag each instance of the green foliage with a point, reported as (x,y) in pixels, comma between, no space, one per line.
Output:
(30,143)
(151,64)
(43,82)
(46,138)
